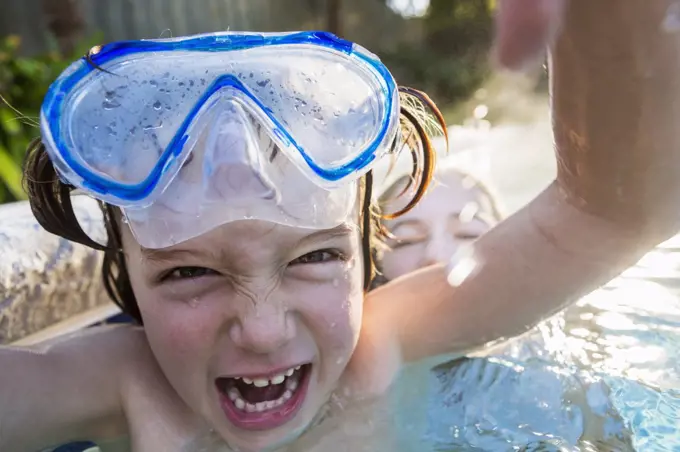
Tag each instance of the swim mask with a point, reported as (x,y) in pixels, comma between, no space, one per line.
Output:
(190,133)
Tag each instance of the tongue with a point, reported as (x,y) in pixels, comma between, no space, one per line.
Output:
(253,394)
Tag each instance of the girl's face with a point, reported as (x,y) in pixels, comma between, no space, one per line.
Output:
(450,215)
(252,323)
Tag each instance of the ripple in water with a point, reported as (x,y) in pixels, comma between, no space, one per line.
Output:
(611,387)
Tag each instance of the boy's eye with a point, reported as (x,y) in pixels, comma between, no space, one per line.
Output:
(181,273)
(317,257)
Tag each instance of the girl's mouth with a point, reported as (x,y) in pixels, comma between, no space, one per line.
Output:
(262,403)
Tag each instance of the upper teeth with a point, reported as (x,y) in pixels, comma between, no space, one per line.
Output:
(274,380)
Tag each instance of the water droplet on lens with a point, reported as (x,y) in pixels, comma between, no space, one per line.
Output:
(157,105)
(111,128)
(157,125)
(300,102)
(153,83)
(263,83)
(110,104)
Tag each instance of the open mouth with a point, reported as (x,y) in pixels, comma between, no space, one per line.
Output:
(260,403)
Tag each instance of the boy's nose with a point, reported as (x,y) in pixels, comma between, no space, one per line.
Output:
(263,329)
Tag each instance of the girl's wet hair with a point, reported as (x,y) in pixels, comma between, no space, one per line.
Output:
(397,188)
(50,197)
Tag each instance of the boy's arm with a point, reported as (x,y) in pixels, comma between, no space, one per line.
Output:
(65,390)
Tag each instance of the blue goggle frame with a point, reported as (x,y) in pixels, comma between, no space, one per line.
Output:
(53,103)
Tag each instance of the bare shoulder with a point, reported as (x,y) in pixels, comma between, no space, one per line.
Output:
(146,411)
(122,351)
(377,357)
(157,417)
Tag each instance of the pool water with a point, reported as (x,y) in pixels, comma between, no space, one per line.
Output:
(602,376)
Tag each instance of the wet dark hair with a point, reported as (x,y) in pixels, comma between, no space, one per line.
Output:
(396,189)
(50,198)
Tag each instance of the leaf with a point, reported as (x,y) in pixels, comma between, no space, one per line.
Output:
(9,122)
(10,174)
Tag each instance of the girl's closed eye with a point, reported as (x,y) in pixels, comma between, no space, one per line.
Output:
(406,233)
(401,242)
(467,235)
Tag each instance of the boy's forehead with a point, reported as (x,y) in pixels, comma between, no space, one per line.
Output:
(246,230)
(243,236)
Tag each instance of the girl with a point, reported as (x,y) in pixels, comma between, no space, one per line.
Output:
(457,210)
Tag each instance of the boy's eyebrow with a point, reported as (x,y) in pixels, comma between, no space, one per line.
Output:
(170,255)
(326,234)
(176,254)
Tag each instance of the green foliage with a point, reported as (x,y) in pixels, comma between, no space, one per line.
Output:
(23,84)
(446,80)
(451,61)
